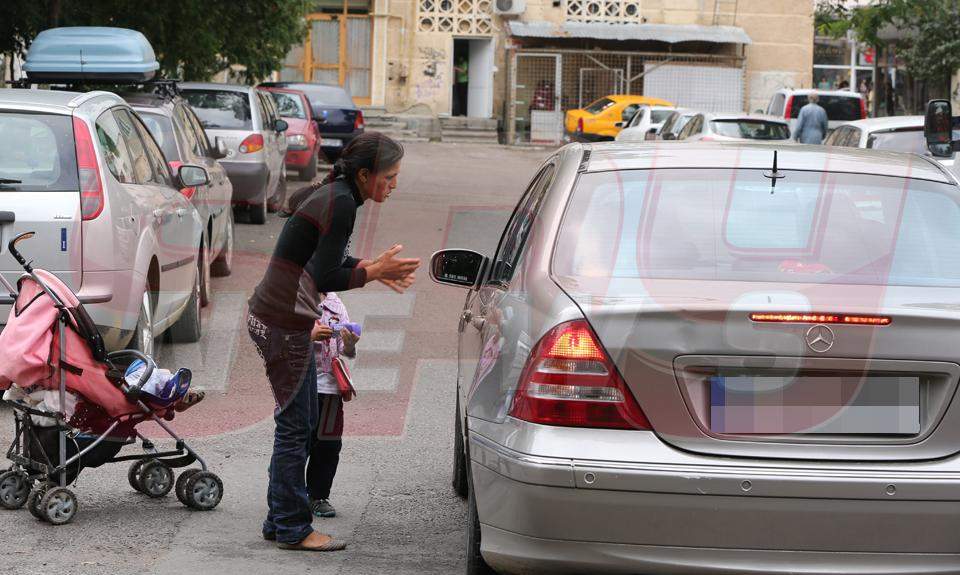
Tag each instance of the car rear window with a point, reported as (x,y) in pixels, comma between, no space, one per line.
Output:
(751,129)
(37,152)
(328,97)
(221,109)
(599,106)
(289,105)
(838,108)
(910,140)
(161,128)
(731,225)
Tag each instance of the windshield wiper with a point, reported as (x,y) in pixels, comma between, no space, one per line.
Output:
(210,125)
(10,181)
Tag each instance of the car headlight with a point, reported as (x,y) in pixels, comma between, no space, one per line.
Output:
(297,141)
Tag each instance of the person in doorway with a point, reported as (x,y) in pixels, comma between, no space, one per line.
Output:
(327,438)
(461,74)
(309,259)
(812,122)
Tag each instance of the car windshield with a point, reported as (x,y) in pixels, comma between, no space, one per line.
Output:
(904,140)
(658,116)
(37,153)
(221,108)
(161,128)
(599,106)
(289,105)
(751,129)
(731,225)
(838,108)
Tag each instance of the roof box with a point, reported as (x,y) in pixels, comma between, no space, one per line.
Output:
(87,53)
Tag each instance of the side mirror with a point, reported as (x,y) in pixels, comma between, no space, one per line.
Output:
(191,176)
(461,268)
(619,125)
(938,128)
(280,125)
(669,136)
(220,150)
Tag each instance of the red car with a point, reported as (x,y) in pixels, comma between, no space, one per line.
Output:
(303,136)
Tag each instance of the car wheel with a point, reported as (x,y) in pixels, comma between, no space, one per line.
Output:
(310,172)
(460,486)
(280,196)
(187,327)
(258,213)
(143,336)
(223,265)
(475,563)
(204,259)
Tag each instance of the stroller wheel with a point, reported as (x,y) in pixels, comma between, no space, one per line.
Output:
(133,474)
(14,489)
(156,478)
(36,494)
(182,485)
(203,490)
(59,506)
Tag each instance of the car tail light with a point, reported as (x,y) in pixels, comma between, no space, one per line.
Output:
(580,125)
(174,166)
(863,108)
(569,380)
(91,186)
(358,121)
(788,108)
(252,143)
(820,318)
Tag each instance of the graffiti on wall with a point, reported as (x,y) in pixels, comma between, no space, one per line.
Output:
(431,86)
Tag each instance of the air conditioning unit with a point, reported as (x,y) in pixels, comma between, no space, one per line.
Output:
(507,8)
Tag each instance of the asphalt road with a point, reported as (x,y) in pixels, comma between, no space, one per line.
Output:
(392,493)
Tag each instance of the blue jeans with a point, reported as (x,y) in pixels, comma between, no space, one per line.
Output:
(289,513)
(292,371)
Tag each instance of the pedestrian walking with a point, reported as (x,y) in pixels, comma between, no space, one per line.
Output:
(309,259)
(812,122)
(336,341)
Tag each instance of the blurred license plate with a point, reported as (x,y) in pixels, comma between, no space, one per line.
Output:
(332,142)
(803,404)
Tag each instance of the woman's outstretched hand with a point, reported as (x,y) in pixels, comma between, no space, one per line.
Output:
(320,332)
(396,273)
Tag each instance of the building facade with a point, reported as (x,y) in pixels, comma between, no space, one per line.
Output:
(506,59)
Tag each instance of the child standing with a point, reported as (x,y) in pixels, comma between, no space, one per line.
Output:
(325,448)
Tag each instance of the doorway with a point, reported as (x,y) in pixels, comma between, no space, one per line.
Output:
(472,77)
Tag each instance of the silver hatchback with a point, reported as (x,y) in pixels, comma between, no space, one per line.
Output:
(249,126)
(85,174)
(681,359)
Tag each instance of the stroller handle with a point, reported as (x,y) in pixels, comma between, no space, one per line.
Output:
(133,392)
(12,246)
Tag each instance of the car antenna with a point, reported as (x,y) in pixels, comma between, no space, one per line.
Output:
(774,174)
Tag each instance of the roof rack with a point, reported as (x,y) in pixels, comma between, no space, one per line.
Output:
(163,87)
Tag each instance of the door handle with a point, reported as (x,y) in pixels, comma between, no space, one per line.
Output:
(158,214)
(180,212)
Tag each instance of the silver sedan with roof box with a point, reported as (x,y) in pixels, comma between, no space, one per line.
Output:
(693,358)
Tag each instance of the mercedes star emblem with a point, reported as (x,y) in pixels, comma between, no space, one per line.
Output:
(820,338)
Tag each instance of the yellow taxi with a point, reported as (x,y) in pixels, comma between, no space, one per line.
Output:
(598,121)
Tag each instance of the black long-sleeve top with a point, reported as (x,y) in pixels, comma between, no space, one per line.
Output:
(309,258)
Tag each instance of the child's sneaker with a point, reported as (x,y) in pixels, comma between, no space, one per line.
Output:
(322,508)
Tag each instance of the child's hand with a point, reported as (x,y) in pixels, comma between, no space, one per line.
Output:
(320,332)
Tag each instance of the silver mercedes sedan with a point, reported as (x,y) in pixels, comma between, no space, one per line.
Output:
(714,358)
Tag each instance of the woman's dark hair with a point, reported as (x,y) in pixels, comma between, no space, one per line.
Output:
(371,150)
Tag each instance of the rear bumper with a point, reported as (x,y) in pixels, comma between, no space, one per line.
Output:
(299,159)
(249,181)
(560,515)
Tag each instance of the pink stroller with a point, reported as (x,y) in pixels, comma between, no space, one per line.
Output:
(50,346)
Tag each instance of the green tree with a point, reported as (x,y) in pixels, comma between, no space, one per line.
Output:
(193,39)
(929,30)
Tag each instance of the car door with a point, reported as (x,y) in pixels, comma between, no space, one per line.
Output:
(213,199)
(271,139)
(171,209)
(481,321)
(221,190)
